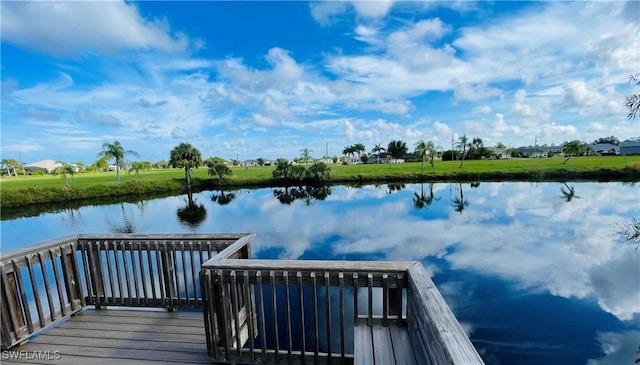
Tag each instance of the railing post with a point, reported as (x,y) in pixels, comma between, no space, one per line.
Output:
(95,263)
(72,278)
(13,323)
(168,275)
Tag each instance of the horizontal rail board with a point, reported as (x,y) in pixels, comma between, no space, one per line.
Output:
(311,265)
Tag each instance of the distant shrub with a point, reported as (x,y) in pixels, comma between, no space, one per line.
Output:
(39,173)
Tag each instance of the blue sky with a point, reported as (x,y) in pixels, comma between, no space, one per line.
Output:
(267,79)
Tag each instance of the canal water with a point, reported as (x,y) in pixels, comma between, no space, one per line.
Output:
(535,273)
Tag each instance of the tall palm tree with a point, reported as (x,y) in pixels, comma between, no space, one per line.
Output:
(10,164)
(433,152)
(192,214)
(186,156)
(463,143)
(421,151)
(117,152)
(305,154)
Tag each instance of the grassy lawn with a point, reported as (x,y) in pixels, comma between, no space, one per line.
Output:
(262,175)
(16,191)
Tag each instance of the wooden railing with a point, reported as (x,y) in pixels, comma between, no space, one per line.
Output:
(259,311)
(45,283)
(303,309)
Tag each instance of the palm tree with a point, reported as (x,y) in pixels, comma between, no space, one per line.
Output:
(223,199)
(421,151)
(10,164)
(66,169)
(192,214)
(377,149)
(186,156)
(348,151)
(575,148)
(569,193)
(463,143)
(433,152)
(137,166)
(305,154)
(116,151)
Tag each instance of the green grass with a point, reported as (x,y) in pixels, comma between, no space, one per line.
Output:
(23,190)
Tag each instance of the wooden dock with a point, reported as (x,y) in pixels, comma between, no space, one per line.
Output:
(160,299)
(119,337)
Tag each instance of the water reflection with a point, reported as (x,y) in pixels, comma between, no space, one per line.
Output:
(533,279)
(223,198)
(459,202)
(395,187)
(191,215)
(568,193)
(307,194)
(422,200)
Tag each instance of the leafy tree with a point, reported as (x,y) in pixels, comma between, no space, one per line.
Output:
(305,155)
(260,161)
(220,170)
(282,170)
(449,155)
(462,144)
(611,140)
(364,158)
(186,156)
(397,149)
(117,152)
(633,102)
(81,166)
(501,146)
(575,148)
(319,172)
(298,173)
(629,231)
(209,162)
(162,164)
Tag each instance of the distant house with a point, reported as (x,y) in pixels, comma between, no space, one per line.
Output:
(605,149)
(630,148)
(499,152)
(47,165)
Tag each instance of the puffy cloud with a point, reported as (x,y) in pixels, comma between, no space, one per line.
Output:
(40,114)
(69,28)
(482,109)
(400,107)
(467,91)
(328,12)
(181,133)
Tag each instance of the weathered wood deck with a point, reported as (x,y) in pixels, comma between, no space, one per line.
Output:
(152,307)
(116,336)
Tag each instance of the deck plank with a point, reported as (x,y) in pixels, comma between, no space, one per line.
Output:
(402,349)
(363,345)
(382,345)
(122,337)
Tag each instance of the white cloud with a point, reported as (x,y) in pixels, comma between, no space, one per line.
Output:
(328,12)
(86,116)
(466,91)
(71,28)
(618,348)
(182,133)
(22,147)
(482,109)
(442,129)
(400,107)
(40,114)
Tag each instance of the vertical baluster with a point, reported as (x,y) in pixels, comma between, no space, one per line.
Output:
(193,273)
(112,297)
(59,284)
(151,271)
(235,315)
(185,272)
(34,287)
(287,309)
(370,289)
(301,307)
(208,309)
(118,271)
(223,312)
(274,310)
(176,268)
(341,298)
(355,298)
(142,275)
(385,298)
(99,269)
(162,293)
(136,283)
(251,314)
(263,332)
(90,284)
(10,298)
(71,274)
(43,270)
(123,249)
(314,302)
(23,296)
(327,299)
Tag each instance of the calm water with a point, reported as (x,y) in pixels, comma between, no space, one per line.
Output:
(532,271)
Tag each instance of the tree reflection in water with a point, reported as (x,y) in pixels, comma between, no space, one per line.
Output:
(568,193)
(304,193)
(459,202)
(192,214)
(422,200)
(223,198)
